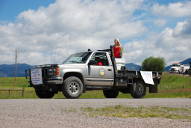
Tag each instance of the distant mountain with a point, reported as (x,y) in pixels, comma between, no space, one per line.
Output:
(167,68)
(8,70)
(186,61)
(132,66)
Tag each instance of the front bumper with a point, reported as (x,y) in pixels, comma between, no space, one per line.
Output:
(53,81)
(48,82)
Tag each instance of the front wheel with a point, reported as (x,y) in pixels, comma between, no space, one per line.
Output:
(43,93)
(138,90)
(112,93)
(72,88)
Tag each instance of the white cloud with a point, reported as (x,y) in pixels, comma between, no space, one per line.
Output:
(172,44)
(183,29)
(54,32)
(50,34)
(160,22)
(178,9)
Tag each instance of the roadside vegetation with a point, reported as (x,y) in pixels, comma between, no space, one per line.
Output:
(139,112)
(171,86)
(153,64)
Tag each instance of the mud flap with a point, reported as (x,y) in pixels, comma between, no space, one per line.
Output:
(147,77)
(153,89)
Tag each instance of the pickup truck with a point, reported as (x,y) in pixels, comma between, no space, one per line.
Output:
(80,73)
(179,68)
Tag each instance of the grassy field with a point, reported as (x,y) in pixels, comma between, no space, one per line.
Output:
(11,82)
(172,85)
(174,81)
(139,112)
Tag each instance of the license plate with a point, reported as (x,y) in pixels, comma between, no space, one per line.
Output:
(36,76)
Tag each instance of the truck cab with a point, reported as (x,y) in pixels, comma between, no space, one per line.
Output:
(90,70)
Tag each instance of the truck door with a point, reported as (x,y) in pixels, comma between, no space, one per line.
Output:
(100,70)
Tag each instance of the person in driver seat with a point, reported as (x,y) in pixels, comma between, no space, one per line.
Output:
(98,61)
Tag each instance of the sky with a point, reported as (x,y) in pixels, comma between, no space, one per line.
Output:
(48,31)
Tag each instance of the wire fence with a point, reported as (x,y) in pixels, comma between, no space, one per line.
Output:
(14,87)
(9,91)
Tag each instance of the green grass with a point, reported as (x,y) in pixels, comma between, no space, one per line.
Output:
(171,86)
(139,112)
(11,82)
(174,81)
(28,93)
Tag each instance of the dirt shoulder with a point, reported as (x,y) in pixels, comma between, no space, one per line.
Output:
(65,113)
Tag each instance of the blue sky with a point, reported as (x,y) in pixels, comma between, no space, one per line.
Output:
(146,28)
(166,1)
(9,9)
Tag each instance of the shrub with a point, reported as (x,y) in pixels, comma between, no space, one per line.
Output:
(153,64)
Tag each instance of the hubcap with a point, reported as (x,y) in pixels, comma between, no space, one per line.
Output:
(74,88)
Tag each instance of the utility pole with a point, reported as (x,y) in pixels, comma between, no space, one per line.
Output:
(16,57)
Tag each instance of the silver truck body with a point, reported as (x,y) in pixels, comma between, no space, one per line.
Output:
(83,66)
(91,73)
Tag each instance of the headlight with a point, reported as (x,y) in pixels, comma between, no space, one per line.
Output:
(57,71)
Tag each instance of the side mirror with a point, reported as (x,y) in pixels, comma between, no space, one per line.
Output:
(91,62)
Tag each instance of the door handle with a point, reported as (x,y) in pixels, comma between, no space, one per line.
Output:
(109,70)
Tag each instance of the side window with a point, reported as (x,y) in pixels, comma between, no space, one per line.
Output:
(100,59)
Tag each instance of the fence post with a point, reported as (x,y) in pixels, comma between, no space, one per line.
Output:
(9,92)
(23,90)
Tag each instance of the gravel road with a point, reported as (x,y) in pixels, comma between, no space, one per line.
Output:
(52,113)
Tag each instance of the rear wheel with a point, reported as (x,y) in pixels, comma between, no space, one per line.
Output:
(112,93)
(138,90)
(72,88)
(43,93)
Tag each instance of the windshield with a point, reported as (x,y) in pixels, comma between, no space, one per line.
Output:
(176,65)
(77,58)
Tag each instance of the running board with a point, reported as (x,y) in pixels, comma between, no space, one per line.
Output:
(98,87)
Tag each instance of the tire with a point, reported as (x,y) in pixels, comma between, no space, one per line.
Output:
(42,93)
(186,72)
(138,90)
(72,87)
(111,93)
(189,71)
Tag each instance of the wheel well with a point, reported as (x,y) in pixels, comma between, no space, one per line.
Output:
(79,75)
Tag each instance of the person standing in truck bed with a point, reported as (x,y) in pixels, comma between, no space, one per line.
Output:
(117,51)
